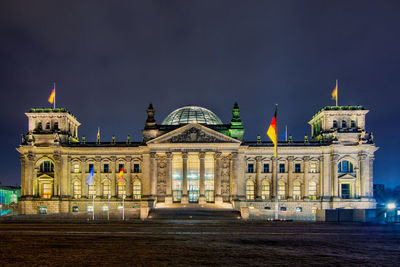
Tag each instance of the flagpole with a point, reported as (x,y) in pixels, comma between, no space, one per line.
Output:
(54,103)
(286,133)
(123,203)
(337,92)
(108,206)
(93,206)
(276,168)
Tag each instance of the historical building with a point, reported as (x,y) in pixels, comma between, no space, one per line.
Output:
(193,157)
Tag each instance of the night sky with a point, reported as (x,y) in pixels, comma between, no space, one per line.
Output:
(110,59)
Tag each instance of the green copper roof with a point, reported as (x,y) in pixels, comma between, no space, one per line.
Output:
(191,114)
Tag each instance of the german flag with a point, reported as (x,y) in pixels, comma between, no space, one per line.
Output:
(121,176)
(52,96)
(272,133)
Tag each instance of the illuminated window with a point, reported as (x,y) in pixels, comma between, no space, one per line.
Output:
(281,190)
(313,167)
(209,177)
(282,167)
(47,166)
(193,176)
(75,209)
(299,209)
(106,188)
(297,168)
(283,208)
(312,190)
(334,124)
(47,190)
(177,167)
(137,190)
(296,190)
(136,168)
(121,189)
(345,166)
(265,190)
(266,168)
(77,189)
(76,168)
(106,168)
(92,190)
(42,209)
(249,190)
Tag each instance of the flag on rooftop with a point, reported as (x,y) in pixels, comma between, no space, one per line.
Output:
(52,96)
(272,131)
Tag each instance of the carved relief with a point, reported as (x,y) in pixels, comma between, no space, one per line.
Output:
(194,135)
(225,187)
(161,175)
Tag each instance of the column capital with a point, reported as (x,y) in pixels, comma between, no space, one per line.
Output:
(113,158)
(335,157)
(306,158)
(153,155)
(362,155)
(169,155)
(128,158)
(202,155)
(31,156)
(290,158)
(97,158)
(234,155)
(258,158)
(184,155)
(217,155)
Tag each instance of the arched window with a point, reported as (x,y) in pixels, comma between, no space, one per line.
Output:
(296,190)
(312,190)
(345,166)
(344,124)
(56,126)
(249,189)
(92,190)
(77,189)
(106,188)
(335,124)
(48,126)
(39,125)
(137,190)
(265,192)
(281,190)
(47,166)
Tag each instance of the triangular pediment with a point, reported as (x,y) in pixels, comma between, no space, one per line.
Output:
(193,133)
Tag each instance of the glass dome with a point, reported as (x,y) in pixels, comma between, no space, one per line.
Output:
(191,114)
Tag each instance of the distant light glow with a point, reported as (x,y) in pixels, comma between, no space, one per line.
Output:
(391,206)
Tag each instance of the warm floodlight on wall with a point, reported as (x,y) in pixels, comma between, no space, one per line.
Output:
(391,206)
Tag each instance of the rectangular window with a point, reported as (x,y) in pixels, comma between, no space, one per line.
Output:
(136,168)
(250,168)
(345,191)
(47,191)
(282,167)
(120,166)
(297,168)
(266,168)
(106,168)
(90,166)
(42,209)
(76,168)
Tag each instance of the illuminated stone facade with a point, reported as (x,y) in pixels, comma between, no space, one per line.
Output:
(192,158)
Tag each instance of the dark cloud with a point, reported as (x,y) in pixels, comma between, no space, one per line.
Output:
(110,59)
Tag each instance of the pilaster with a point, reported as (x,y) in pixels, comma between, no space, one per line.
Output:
(217,178)
(258,178)
(202,198)
(168,197)
(185,198)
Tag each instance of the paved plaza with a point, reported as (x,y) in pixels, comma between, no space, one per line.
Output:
(191,242)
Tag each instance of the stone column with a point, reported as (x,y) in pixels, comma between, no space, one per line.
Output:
(370,192)
(320,191)
(327,177)
(364,175)
(335,179)
(153,168)
(65,183)
(83,167)
(202,198)
(128,185)
(97,176)
(290,177)
(168,197)
(274,186)
(234,175)
(217,178)
(185,198)
(258,178)
(112,177)
(306,161)
(146,177)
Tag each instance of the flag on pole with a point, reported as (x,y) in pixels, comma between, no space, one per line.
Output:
(284,135)
(335,93)
(272,132)
(121,176)
(52,96)
(89,179)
